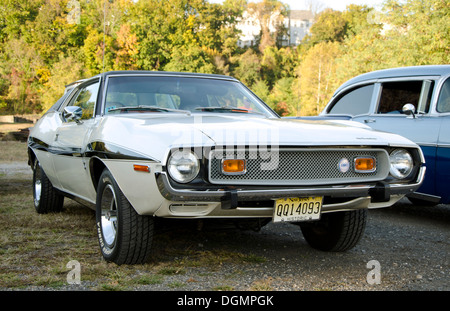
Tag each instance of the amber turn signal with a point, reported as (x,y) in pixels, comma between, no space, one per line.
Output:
(141,168)
(233,166)
(365,165)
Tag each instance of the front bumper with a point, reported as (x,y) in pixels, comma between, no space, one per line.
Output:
(378,194)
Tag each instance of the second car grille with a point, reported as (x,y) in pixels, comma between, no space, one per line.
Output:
(298,166)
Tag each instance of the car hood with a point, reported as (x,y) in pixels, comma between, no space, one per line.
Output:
(153,135)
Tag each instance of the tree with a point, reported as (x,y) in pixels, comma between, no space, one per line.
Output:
(190,59)
(14,16)
(261,90)
(20,66)
(281,97)
(421,28)
(407,33)
(248,68)
(127,49)
(99,52)
(46,43)
(316,77)
(271,65)
(63,72)
(330,25)
(50,31)
(270,15)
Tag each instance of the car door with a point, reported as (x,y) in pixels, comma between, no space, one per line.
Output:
(71,140)
(443,149)
(422,127)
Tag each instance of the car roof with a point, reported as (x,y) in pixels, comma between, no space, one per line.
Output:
(426,70)
(165,73)
(152,73)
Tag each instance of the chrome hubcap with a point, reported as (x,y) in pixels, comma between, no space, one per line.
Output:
(37,186)
(109,216)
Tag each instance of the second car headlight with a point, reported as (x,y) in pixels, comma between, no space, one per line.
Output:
(401,163)
(183,166)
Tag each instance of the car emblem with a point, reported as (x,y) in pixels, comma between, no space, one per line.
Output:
(343,165)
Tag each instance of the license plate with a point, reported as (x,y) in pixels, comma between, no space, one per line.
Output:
(297,209)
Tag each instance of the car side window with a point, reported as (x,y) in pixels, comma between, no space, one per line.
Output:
(444,98)
(394,95)
(86,99)
(355,102)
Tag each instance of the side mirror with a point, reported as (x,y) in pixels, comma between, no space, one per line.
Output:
(409,110)
(72,113)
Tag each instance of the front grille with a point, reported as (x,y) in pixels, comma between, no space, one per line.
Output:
(298,167)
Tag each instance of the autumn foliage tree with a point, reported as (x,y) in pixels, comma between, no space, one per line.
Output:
(45,44)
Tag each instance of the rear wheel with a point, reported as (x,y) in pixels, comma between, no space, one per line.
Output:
(125,237)
(46,198)
(336,232)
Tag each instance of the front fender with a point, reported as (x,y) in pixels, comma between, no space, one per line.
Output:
(139,187)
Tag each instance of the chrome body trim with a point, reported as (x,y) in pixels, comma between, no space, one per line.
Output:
(270,193)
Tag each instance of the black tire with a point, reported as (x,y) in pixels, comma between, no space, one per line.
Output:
(336,232)
(46,198)
(125,237)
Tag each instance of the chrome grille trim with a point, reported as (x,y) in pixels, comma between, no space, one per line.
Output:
(295,166)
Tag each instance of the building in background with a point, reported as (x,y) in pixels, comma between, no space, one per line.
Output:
(297,23)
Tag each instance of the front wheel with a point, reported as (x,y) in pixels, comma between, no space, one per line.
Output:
(125,237)
(336,232)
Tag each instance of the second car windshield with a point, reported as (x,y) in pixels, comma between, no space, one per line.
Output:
(174,93)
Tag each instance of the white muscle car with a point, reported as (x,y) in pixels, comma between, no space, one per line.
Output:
(138,146)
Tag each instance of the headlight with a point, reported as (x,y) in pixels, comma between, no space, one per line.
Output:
(183,166)
(401,163)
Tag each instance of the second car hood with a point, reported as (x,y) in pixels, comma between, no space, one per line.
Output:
(153,135)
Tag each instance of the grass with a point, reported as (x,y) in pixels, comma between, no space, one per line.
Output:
(13,151)
(35,249)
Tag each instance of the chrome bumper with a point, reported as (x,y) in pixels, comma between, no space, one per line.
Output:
(379,192)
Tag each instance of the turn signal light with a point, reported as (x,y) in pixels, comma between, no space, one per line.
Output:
(365,165)
(141,168)
(233,166)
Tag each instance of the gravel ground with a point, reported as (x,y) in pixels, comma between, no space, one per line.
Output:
(406,246)
(410,246)
(15,168)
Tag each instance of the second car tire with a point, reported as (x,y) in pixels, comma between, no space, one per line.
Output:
(46,198)
(125,237)
(336,232)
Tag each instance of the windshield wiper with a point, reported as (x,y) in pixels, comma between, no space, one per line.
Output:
(148,108)
(227,109)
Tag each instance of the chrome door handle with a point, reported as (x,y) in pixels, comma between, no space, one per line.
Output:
(370,121)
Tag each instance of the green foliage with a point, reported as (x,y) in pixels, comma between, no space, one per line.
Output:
(248,68)
(190,59)
(282,93)
(46,44)
(317,78)
(261,90)
(403,33)
(63,72)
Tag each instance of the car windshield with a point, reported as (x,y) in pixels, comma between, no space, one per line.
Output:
(165,94)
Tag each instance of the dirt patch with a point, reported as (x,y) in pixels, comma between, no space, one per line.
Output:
(15,131)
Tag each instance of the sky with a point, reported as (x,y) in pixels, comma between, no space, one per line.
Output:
(339,5)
